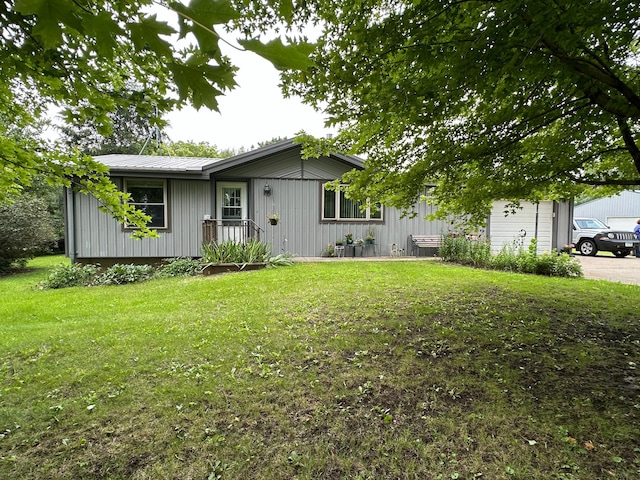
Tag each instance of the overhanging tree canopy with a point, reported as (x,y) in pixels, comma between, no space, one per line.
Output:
(485,99)
(79,55)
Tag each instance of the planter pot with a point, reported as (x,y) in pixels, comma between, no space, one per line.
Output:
(369,242)
(349,242)
(273,221)
(216,268)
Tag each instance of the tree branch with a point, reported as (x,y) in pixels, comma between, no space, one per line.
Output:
(592,71)
(629,141)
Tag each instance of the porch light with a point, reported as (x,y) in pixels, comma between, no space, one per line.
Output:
(267,189)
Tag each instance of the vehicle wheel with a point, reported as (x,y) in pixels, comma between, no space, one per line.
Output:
(587,247)
(622,253)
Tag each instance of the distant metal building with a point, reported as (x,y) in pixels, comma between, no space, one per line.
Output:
(620,212)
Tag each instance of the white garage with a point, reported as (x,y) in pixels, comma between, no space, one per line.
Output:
(533,220)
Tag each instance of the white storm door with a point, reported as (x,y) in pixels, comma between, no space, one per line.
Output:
(232,210)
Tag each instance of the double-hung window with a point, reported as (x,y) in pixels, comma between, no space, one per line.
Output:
(336,206)
(150,197)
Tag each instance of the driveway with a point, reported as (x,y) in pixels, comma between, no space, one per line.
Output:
(623,270)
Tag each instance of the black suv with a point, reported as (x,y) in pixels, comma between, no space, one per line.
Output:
(590,235)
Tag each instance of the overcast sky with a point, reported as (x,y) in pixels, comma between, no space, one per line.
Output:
(254,111)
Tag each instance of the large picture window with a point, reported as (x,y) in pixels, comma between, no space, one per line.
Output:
(150,197)
(336,206)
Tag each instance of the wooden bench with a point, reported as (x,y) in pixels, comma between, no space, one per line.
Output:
(420,243)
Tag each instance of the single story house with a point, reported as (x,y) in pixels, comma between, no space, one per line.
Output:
(620,212)
(196,200)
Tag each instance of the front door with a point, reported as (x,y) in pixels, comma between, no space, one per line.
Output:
(232,210)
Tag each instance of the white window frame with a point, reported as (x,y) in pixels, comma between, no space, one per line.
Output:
(128,182)
(337,218)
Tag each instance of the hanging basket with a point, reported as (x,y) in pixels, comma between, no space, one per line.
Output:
(273,221)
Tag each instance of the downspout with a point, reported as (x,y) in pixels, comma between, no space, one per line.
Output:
(70,231)
(555,226)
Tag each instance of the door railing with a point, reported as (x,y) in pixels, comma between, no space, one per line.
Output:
(240,231)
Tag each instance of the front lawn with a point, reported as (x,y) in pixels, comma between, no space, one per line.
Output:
(339,370)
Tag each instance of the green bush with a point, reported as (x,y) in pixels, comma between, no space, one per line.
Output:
(511,259)
(121,274)
(25,230)
(179,267)
(466,252)
(69,275)
(236,252)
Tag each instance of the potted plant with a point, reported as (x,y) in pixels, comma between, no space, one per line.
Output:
(339,243)
(369,238)
(329,251)
(349,238)
(273,218)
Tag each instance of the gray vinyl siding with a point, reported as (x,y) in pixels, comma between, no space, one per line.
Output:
(289,165)
(100,236)
(301,231)
(562,224)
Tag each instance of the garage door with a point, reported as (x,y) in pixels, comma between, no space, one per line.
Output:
(522,226)
(622,223)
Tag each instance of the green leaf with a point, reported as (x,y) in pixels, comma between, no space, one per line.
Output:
(283,57)
(48,31)
(146,34)
(105,31)
(207,41)
(29,7)
(191,84)
(286,9)
(51,15)
(206,12)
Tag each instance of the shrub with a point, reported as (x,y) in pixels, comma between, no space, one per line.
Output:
(179,267)
(510,258)
(25,230)
(466,252)
(121,274)
(69,275)
(231,251)
(559,265)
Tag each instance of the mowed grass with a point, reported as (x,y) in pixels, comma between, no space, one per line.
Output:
(340,370)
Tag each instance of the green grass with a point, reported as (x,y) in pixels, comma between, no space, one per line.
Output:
(331,370)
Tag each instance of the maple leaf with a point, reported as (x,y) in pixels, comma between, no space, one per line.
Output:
(105,31)
(283,57)
(208,12)
(146,34)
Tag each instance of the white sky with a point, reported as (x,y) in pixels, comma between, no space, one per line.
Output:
(253,112)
